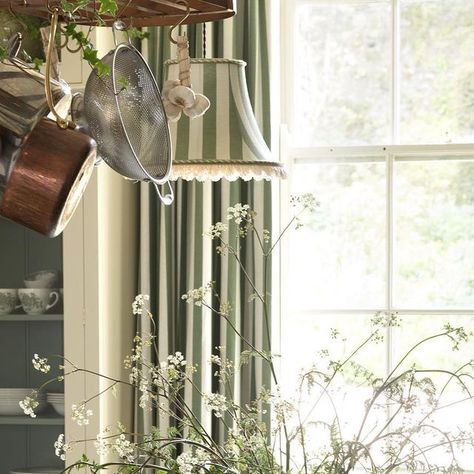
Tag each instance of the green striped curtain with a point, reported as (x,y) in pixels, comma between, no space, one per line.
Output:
(175,257)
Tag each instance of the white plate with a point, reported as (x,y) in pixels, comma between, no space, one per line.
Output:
(23,390)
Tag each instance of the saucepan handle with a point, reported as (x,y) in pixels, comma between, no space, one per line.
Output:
(166,199)
(14,45)
(62,123)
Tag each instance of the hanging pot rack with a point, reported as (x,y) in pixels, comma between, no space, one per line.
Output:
(134,13)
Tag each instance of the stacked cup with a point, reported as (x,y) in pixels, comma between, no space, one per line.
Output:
(8,300)
(39,294)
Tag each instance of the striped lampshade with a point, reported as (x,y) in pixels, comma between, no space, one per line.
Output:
(226,141)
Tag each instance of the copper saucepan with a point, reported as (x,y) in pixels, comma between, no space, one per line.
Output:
(46,177)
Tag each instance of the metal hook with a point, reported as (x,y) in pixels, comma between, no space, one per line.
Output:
(53,5)
(188,12)
(17,18)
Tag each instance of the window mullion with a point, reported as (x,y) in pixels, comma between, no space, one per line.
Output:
(390,250)
(395,81)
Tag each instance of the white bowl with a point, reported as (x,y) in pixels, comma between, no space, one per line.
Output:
(58,407)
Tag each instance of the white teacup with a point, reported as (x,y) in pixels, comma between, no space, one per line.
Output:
(42,279)
(37,300)
(8,300)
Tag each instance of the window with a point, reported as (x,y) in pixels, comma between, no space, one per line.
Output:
(379,103)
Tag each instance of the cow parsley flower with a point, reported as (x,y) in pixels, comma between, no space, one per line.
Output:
(61,447)
(124,448)
(216,230)
(197,295)
(216,402)
(238,213)
(80,414)
(101,444)
(139,303)
(29,403)
(41,364)
(186,463)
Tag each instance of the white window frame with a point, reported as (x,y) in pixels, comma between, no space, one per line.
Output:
(293,157)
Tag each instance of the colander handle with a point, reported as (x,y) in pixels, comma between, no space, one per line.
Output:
(119,25)
(167,199)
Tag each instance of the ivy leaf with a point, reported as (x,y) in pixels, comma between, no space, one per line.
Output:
(37,63)
(122,81)
(108,6)
(136,33)
(72,7)
(102,69)
(90,55)
(3,53)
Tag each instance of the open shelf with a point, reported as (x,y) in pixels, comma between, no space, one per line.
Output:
(40,420)
(31,317)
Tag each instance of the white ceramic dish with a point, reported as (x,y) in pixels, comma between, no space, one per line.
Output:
(58,408)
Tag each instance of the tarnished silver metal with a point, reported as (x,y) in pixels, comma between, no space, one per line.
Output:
(125,116)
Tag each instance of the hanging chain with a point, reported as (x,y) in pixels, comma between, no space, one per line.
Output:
(204,38)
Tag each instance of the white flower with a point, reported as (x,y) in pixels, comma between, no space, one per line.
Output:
(61,448)
(29,404)
(216,402)
(134,376)
(177,359)
(239,212)
(101,445)
(124,448)
(306,201)
(174,368)
(216,230)
(197,295)
(215,359)
(139,303)
(41,364)
(145,395)
(80,414)
(186,463)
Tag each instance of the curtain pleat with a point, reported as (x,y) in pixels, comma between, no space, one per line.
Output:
(177,258)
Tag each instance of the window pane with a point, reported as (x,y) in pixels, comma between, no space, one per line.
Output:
(342,74)
(437,71)
(439,354)
(305,340)
(337,260)
(434,212)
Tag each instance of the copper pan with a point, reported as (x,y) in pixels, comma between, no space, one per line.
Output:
(47,178)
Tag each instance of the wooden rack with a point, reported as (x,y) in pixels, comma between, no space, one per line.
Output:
(134,13)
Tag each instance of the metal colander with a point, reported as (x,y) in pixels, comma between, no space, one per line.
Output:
(125,115)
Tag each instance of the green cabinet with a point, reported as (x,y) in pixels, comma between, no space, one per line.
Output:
(25,441)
